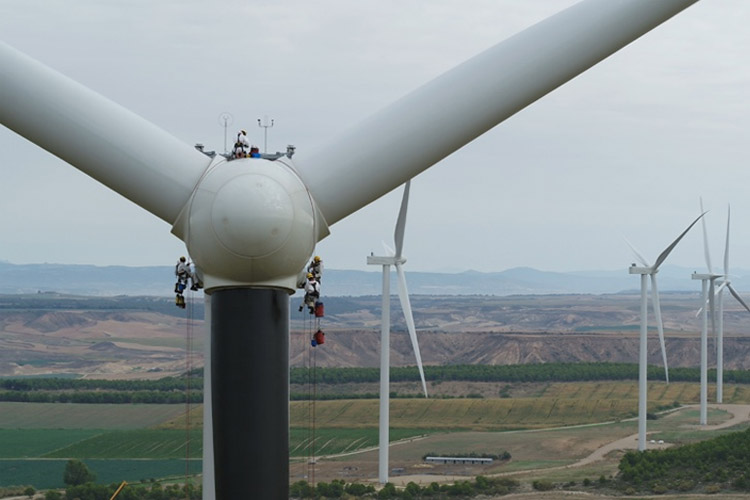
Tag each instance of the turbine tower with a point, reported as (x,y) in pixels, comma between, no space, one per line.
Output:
(646,271)
(397,260)
(251,225)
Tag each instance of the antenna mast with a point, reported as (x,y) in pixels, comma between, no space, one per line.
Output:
(225,119)
(265,125)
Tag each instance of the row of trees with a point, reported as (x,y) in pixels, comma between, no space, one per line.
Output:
(543,372)
(103,397)
(65,384)
(463,489)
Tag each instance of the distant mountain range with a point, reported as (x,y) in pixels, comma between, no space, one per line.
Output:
(159,281)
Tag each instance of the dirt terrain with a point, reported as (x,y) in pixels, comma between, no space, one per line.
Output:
(120,340)
(589,450)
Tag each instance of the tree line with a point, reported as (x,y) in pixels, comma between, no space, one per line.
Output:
(174,390)
(542,372)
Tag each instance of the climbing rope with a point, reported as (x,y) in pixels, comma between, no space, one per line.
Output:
(188,371)
(311,392)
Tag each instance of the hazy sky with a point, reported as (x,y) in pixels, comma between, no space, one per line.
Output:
(625,149)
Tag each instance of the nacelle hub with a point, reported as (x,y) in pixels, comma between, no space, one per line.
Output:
(249,222)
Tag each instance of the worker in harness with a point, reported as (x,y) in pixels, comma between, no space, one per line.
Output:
(241,144)
(312,293)
(316,268)
(184,272)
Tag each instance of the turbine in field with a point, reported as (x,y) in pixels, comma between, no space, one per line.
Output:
(707,297)
(706,291)
(397,260)
(718,295)
(646,271)
(251,225)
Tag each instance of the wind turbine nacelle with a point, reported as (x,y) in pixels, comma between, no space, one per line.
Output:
(250,222)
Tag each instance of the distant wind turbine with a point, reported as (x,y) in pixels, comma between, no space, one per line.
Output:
(707,299)
(397,260)
(645,271)
(718,295)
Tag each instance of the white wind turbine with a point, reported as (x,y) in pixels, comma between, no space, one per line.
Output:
(645,271)
(719,295)
(251,225)
(707,297)
(398,261)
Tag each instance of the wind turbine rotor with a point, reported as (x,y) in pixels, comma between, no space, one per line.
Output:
(659,324)
(403,295)
(737,296)
(669,249)
(706,253)
(637,254)
(250,221)
(726,247)
(111,144)
(351,171)
(398,234)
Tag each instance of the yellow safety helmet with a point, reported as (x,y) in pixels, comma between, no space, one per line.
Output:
(316,259)
(309,275)
(182,259)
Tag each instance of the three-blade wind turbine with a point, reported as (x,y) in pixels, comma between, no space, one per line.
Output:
(727,283)
(718,295)
(398,261)
(707,295)
(646,271)
(251,225)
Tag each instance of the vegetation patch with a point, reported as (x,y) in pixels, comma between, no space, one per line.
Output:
(721,463)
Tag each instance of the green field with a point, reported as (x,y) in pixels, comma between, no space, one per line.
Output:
(33,443)
(84,416)
(139,443)
(135,442)
(337,441)
(49,473)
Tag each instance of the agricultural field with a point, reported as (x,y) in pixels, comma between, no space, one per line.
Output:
(135,442)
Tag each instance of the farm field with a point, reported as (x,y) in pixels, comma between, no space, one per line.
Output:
(49,473)
(135,442)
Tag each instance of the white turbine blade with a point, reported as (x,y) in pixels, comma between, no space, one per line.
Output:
(659,324)
(708,300)
(388,250)
(403,295)
(711,309)
(398,235)
(726,247)
(706,253)
(422,128)
(669,249)
(737,296)
(102,139)
(637,254)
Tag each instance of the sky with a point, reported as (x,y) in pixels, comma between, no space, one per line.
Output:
(624,150)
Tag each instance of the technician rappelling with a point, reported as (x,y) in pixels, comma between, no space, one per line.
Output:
(312,301)
(184,272)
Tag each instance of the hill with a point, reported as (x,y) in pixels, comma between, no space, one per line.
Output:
(147,337)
